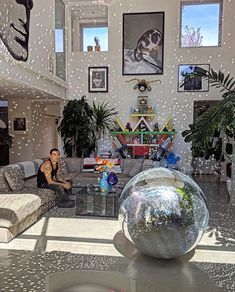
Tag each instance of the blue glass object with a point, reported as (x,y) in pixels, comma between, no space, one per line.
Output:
(112,179)
(104,185)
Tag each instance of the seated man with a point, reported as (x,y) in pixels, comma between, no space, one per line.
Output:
(49,177)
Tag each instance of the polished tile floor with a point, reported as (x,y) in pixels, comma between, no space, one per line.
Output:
(61,242)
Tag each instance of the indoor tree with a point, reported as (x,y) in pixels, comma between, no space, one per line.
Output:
(216,124)
(103,120)
(76,128)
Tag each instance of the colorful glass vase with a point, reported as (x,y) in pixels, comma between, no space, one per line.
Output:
(112,179)
(104,185)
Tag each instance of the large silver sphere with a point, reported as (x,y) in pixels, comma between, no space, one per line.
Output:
(163,212)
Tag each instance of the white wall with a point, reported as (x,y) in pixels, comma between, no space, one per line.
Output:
(41,134)
(36,72)
(22,141)
(164,97)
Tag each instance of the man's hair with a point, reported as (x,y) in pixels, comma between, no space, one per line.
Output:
(54,149)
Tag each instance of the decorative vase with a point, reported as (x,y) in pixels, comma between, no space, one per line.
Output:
(97,48)
(104,185)
(112,179)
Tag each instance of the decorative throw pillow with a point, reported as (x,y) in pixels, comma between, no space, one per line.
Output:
(128,165)
(135,169)
(15,179)
(148,163)
(63,167)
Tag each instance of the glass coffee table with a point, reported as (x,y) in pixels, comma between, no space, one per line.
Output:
(91,202)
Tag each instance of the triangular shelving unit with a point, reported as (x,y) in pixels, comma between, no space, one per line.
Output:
(142,120)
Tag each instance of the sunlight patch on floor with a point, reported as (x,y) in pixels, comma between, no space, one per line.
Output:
(82,248)
(214,256)
(35,229)
(19,244)
(82,228)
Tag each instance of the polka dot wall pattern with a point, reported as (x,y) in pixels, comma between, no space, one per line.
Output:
(165,97)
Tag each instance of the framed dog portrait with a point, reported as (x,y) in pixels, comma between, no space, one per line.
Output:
(189,78)
(143,43)
(19,125)
(98,79)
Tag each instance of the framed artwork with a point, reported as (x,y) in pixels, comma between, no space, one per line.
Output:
(143,40)
(98,79)
(189,80)
(19,125)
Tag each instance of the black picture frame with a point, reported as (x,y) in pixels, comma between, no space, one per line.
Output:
(143,43)
(19,125)
(189,81)
(98,79)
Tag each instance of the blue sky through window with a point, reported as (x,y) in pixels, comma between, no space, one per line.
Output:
(59,40)
(88,37)
(205,17)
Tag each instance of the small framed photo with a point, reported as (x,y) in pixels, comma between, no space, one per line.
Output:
(19,125)
(189,80)
(98,79)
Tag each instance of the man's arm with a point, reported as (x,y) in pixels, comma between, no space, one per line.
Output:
(59,177)
(47,169)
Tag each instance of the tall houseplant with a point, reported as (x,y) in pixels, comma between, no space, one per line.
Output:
(5,138)
(76,128)
(103,120)
(208,132)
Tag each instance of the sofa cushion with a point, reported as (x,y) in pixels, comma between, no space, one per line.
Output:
(135,169)
(70,176)
(16,207)
(46,195)
(15,179)
(74,164)
(63,166)
(128,164)
(30,182)
(148,163)
(4,186)
(30,168)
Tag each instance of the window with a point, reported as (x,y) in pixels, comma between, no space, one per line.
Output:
(59,39)
(94,38)
(201,23)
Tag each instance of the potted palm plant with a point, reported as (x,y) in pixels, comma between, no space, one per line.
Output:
(103,120)
(207,134)
(76,128)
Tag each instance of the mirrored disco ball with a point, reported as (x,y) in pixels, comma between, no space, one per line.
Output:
(163,212)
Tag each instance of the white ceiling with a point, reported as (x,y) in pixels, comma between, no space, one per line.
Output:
(11,89)
(88,10)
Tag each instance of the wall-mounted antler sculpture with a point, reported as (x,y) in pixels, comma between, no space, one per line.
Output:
(143,84)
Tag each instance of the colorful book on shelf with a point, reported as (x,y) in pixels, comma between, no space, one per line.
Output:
(122,139)
(161,139)
(117,142)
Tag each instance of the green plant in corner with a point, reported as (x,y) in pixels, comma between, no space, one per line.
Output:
(208,132)
(5,138)
(76,128)
(102,116)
